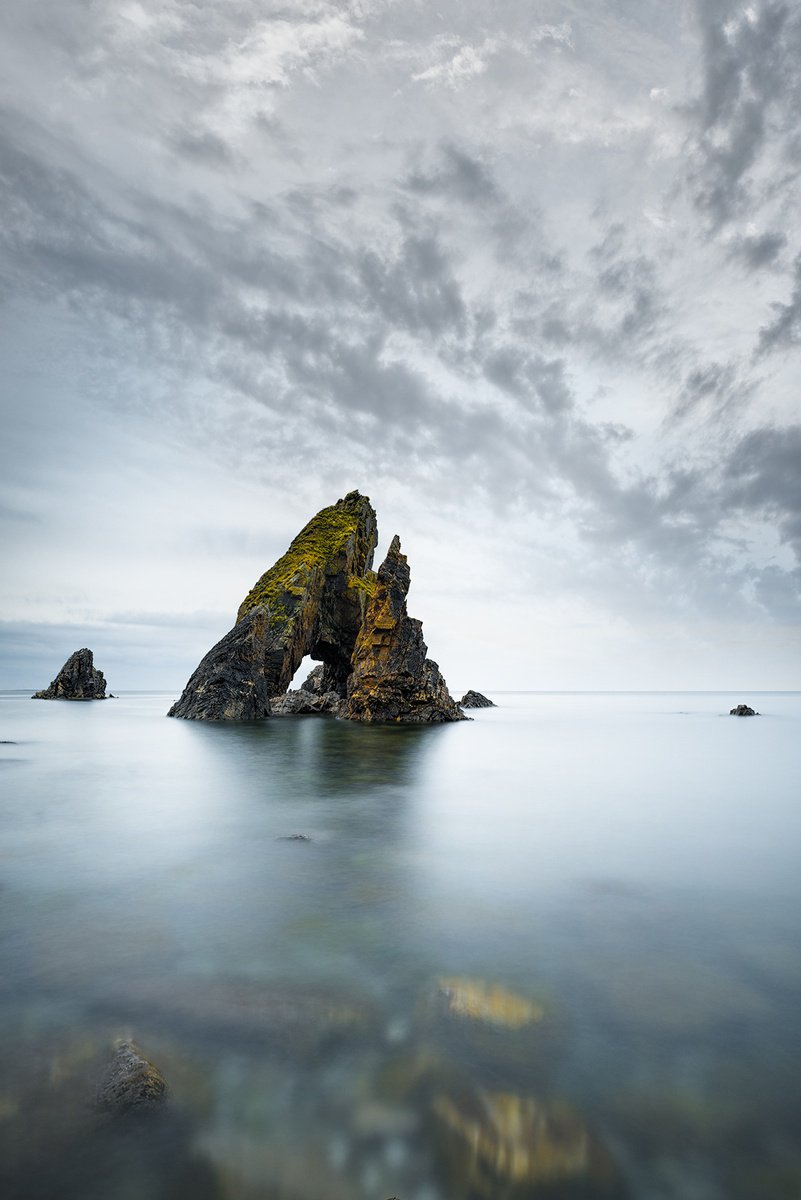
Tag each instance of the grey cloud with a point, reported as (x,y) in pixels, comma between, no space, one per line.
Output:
(749,96)
(202,145)
(458,175)
(785,328)
(714,387)
(763,473)
(757,251)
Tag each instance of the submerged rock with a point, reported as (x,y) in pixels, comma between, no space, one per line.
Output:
(78,679)
(508,1147)
(392,679)
(312,601)
(473,699)
(742,710)
(495,1030)
(131,1083)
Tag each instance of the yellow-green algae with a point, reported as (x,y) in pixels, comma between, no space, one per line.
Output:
(366,583)
(325,536)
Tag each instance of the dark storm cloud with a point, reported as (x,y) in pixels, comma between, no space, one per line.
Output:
(749,99)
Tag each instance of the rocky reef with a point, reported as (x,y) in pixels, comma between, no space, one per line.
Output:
(322,599)
(473,699)
(743,710)
(78,679)
(392,679)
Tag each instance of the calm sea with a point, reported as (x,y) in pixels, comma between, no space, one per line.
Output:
(629,861)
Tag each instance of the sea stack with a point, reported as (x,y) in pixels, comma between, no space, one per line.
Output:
(473,699)
(78,679)
(311,602)
(392,679)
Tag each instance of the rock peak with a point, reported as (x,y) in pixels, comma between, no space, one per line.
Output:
(311,602)
(78,679)
(392,679)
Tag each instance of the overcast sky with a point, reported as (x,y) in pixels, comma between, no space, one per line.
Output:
(526,273)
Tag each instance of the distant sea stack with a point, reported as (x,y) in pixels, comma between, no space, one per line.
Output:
(323,599)
(78,679)
(392,680)
(473,699)
(743,710)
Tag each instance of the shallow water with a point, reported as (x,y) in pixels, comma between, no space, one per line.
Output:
(630,860)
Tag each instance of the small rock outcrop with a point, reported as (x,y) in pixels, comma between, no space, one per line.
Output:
(311,602)
(392,680)
(743,710)
(131,1083)
(78,679)
(473,699)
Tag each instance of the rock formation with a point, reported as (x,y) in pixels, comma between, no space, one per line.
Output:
(742,710)
(473,699)
(131,1083)
(230,682)
(323,600)
(77,680)
(392,680)
(311,602)
(303,703)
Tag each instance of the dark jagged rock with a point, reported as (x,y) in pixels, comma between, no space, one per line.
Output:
(313,601)
(473,699)
(742,710)
(77,680)
(303,703)
(131,1083)
(229,684)
(321,680)
(392,679)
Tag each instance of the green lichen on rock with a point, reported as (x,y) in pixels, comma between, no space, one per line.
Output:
(366,583)
(391,679)
(310,606)
(323,539)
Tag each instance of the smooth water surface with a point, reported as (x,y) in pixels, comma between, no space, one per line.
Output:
(631,860)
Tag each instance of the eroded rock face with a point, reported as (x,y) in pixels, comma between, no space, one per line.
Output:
(311,602)
(78,679)
(473,699)
(392,679)
(303,703)
(230,683)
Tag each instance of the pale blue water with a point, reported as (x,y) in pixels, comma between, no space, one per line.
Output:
(631,859)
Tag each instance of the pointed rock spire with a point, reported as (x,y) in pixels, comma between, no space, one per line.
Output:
(392,679)
(78,679)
